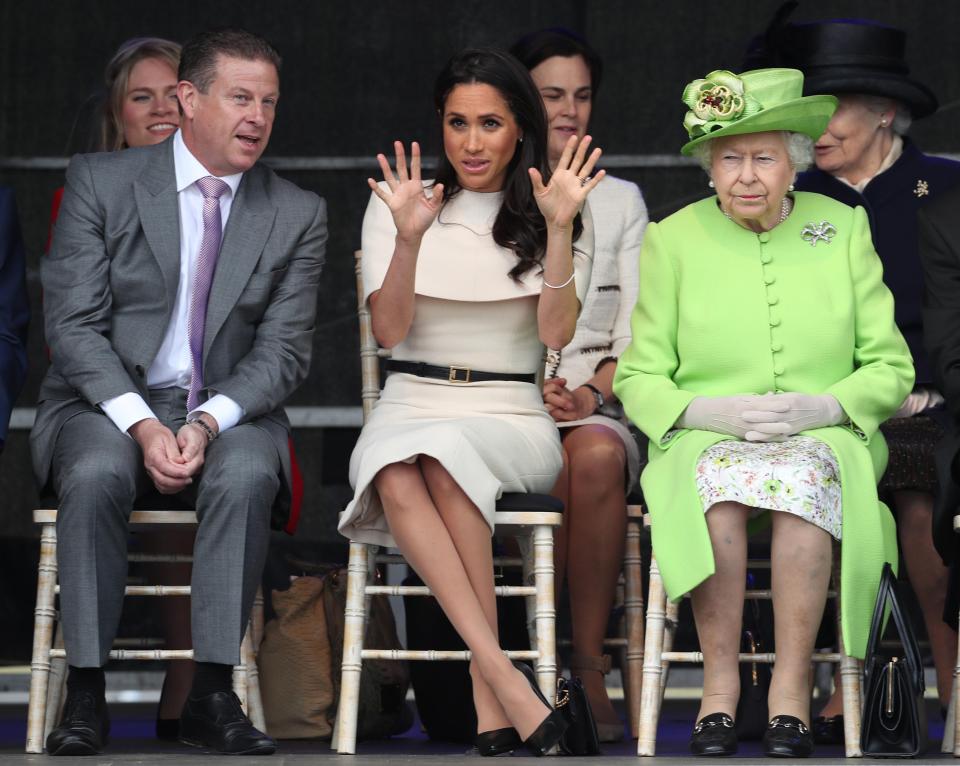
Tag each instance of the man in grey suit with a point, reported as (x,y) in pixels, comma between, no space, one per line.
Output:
(180,295)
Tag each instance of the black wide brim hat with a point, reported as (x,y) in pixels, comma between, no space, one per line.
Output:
(853,56)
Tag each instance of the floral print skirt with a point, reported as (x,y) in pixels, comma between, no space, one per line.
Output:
(798,476)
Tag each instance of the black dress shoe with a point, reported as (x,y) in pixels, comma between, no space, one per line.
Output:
(498,741)
(217,722)
(787,737)
(828,730)
(550,731)
(714,734)
(84,728)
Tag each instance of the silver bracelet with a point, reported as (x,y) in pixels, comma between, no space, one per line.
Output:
(207,430)
(558,287)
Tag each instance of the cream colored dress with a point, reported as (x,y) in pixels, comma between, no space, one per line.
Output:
(491,436)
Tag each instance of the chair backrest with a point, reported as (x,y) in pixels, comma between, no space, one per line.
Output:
(370,351)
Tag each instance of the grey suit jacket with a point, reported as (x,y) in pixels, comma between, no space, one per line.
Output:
(110,281)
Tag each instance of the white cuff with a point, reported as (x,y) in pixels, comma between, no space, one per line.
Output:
(126,409)
(221,408)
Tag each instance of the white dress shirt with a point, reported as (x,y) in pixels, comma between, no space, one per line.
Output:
(171,367)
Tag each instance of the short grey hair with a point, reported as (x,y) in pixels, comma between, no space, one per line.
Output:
(799,150)
(902,119)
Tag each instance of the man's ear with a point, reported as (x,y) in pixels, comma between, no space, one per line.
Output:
(187,96)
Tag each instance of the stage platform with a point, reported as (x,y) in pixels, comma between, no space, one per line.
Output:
(132,742)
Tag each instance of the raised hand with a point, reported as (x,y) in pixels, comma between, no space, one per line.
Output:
(561,199)
(413,211)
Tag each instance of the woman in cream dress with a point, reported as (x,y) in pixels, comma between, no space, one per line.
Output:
(467,279)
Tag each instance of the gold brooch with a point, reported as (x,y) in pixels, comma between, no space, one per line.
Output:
(923,188)
(813,232)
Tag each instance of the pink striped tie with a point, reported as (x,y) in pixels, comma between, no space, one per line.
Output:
(211,188)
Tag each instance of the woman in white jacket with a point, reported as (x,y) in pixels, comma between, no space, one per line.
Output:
(601,457)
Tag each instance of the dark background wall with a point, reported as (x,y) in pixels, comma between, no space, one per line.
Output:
(357,75)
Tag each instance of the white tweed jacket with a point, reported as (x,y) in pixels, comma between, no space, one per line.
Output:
(603,329)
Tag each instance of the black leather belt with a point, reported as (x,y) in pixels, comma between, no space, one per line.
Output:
(454,373)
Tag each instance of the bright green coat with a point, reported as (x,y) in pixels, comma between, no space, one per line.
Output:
(725,311)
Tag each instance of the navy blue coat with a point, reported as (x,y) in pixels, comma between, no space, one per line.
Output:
(14,311)
(892,201)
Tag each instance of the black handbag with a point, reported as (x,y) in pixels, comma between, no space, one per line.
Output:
(894,723)
(752,716)
(580,738)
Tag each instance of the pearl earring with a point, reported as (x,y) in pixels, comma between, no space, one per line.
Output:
(883,123)
(790,187)
(711,184)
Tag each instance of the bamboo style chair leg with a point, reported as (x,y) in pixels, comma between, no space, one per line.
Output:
(949,725)
(670,622)
(632,668)
(546,611)
(345,727)
(650,689)
(43,619)
(56,685)
(254,701)
(849,678)
(240,674)
(526,547)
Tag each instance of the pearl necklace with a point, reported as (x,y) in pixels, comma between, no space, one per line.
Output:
(785,207)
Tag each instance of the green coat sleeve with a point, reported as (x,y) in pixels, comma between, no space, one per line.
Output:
(883,374)
(644,377)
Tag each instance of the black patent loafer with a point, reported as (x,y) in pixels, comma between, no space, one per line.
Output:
(827,730)
(217,722)
(498,741)
(714,734)
(787,737)
(84,728)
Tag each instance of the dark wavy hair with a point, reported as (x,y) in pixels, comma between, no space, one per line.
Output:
(535,48)
(519,225)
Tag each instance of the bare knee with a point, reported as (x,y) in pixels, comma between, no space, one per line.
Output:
(396,483)
(597,461)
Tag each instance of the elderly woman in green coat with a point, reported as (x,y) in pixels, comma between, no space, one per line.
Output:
(764,357)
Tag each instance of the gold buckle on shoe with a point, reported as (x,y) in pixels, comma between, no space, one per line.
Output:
(452,377)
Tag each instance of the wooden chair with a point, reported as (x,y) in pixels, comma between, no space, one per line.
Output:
(48,664)
(660,627)
(529,517)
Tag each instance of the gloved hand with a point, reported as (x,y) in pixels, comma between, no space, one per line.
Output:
(729,414)
(778,416)
(918,401)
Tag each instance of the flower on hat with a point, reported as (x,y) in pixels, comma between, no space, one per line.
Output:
(715,101)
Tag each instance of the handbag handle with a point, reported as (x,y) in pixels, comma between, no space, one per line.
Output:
(888,594)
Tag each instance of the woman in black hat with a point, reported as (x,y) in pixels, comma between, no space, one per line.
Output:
(864,159)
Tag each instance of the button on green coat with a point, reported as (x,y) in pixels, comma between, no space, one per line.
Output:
(724,311)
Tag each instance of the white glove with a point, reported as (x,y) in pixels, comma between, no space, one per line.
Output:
(781,415)
(732,415)
(918,401)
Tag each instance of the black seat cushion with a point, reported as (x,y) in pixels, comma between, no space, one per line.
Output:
(517,502)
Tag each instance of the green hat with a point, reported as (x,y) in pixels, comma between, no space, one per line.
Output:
(725,104)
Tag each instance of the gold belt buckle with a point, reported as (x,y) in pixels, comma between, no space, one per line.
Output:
(452,377)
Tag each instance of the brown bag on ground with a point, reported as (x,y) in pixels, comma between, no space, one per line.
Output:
(300,656)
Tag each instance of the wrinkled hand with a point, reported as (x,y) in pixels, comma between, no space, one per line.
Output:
(783,415)
(162,457)
(728,414)
(561,199)
(565,405)
(413,211)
